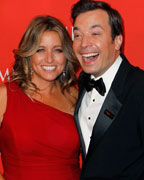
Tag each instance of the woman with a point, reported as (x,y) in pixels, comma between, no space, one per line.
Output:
(38,137)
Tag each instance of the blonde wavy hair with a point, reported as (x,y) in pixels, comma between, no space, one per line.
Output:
(29,45)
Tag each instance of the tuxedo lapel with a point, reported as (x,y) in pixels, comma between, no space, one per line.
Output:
(107,115)
(78,124)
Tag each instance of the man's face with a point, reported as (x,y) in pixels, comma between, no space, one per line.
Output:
(93,44)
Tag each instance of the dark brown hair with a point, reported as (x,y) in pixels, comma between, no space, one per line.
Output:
(115,19)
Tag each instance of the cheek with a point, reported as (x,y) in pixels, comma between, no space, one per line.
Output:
(75,45)
(36,59)
(60,59)
(33,61)
(100,43)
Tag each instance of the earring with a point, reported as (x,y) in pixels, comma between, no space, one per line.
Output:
(64,73)
(31,70)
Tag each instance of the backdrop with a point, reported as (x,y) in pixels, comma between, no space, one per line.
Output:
(15,16)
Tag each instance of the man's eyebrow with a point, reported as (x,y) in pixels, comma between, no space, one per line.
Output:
(95,26)
(92,27)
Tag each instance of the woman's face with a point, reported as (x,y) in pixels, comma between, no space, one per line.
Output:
(49,60)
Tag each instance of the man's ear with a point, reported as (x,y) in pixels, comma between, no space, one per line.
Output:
(118,42)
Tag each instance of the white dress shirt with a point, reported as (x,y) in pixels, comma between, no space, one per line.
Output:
(93,101)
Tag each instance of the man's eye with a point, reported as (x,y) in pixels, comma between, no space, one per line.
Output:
(95,34)
(76,35)
(40,50)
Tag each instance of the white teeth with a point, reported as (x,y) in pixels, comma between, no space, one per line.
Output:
(89,55)
(48,68)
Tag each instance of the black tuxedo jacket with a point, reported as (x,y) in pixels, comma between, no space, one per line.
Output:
(116,150)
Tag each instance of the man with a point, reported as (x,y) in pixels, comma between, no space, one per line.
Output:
(110,112)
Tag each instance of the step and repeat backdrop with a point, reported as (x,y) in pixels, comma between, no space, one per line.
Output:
(15,16)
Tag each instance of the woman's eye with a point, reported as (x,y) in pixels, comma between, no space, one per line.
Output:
(59,50)
(40,50)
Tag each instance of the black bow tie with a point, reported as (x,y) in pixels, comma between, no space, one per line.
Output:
(98,85)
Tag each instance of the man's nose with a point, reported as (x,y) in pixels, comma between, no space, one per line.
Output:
(85,41)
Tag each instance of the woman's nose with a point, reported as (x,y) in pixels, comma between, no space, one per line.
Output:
(48,57)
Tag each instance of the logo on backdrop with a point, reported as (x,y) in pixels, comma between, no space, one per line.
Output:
(5,75)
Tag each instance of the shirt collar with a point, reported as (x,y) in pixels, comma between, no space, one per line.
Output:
(109,75)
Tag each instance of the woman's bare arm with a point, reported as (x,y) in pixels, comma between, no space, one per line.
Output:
(3,101)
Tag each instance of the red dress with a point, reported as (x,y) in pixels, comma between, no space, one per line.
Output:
(37,142)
